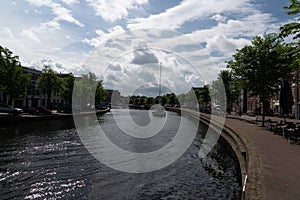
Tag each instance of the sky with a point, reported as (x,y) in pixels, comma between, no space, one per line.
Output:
(124,42)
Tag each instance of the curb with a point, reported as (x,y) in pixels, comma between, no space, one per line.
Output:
(248,158)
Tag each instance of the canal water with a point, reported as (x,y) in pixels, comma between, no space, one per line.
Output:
(47,160)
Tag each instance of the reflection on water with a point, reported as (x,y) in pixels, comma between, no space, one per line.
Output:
(47,160)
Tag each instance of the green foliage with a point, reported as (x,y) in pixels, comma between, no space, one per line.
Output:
(66,91)
(101,93)
(149,100)
(89,90)
(230,86)
(261,66)
(292,28)
(85,86)
(227,86)
(164,100)
(14,78)
(48,82)
(172,99)
(217,92)
(188,99)
(203,94)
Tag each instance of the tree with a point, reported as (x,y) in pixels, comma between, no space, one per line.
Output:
(292,28)
(14,78)
(172,99)
(217,92)
(230,87)
(164,100)
(101,93)
(48,82)
(149,101)
(203,95)
(66,91)
(142,100)
(88,90)
(188,100)
(261,66)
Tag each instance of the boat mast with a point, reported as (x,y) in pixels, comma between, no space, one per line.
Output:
(159,91)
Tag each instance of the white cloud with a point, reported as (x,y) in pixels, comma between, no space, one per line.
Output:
(6,33)
(189,10)
(43,41)
(136,73)
(59,66)
(102,36)
(112,10)
(33,32)
(225,45)
(224,38)
(62,14)
(234,34)
(40,3)
(144,56)
(31,35)
(219,18)
(70,2)
(50,25)
(235,23)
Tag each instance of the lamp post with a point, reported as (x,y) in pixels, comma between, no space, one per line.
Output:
(297,114)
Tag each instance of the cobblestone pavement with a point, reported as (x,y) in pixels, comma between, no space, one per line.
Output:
(279,160)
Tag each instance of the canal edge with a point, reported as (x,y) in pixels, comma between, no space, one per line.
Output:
(249,160)
(253,188)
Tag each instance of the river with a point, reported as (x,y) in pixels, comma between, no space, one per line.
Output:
(47,160)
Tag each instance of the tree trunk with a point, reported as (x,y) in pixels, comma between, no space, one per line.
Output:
(10,97)
(263,114)
(48,99)
(245,101)
(48,103)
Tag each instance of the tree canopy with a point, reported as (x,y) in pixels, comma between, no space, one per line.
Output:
(101,93)
(66,91)
(292,28)
(224,82)
(260,67)
(48,82)
(89,90)
(13,77)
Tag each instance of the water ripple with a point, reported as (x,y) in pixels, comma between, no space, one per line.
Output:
(52,163)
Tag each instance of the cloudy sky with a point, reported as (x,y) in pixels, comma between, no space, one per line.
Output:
(125,41)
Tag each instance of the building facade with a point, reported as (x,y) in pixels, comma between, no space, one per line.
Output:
(33,95)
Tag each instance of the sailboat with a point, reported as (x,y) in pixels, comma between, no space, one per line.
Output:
(159,111)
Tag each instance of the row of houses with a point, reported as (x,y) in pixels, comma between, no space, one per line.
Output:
(34,96)
(246,103)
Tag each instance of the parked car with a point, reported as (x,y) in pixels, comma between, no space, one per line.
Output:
(43,110)
(251,113)
(10,109)
(64,108)
(30,110)
(101,106)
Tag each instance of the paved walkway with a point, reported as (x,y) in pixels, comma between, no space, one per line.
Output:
(278,159)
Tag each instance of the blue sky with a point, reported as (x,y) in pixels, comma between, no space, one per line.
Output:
(191,38)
